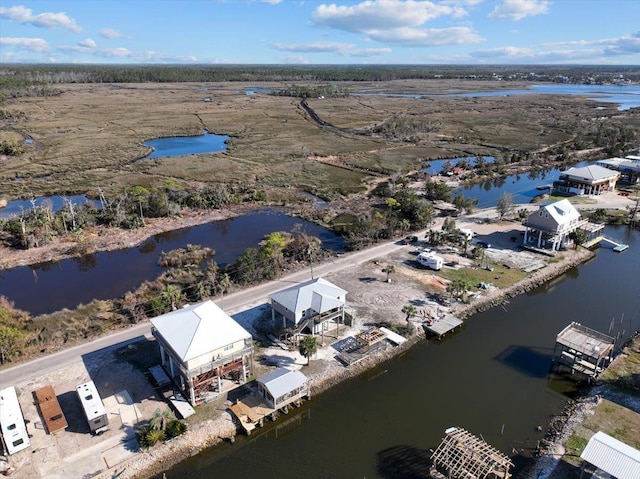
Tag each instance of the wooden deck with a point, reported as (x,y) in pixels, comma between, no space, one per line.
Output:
(441,326)
(251,411)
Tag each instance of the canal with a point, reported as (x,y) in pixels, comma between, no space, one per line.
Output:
(491,379)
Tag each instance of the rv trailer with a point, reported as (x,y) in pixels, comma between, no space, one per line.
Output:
(94,410)
(430,260)
(14,431)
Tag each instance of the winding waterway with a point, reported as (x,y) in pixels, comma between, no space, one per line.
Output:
(491,378)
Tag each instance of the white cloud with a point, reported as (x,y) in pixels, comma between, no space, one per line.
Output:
(379,15)
(519,9)
(22,14)
(87,43)
(428,37)
(271,2)
(32,44)
(110,33)
(342,49)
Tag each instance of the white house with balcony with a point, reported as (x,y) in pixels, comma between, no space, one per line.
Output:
(551,225)
(312,304)
(201,345)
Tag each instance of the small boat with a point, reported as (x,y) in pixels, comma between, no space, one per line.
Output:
(543,187)
(620,248)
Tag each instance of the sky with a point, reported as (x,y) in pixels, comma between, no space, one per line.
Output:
(316,32)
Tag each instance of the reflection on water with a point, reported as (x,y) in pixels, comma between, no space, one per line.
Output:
(186,145)
(492,379)
(51,286)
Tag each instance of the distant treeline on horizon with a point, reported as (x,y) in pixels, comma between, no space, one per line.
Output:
(13,75)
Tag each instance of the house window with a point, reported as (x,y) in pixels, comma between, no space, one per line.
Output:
(228,347)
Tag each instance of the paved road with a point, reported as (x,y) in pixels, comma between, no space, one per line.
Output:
(232,304)
(239,301)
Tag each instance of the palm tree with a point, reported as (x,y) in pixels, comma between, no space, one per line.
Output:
(389,269)
(160,419)
(410,311)
(312,252)
(171,295)
(308,346)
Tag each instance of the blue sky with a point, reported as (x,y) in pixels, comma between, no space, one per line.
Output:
(318,32)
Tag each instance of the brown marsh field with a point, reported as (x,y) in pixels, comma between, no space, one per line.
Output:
(90,135)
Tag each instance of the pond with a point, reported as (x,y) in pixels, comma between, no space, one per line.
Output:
(186,145)
(47,287)
(15,207)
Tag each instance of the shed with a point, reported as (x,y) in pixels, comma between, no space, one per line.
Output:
(282,387)
(612,456)
(462,455)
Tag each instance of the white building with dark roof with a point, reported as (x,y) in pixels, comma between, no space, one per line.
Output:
(201,345)
(587,180)
(311,305)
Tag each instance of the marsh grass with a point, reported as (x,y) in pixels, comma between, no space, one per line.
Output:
(91,135)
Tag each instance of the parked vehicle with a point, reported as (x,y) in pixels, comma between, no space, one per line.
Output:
(410,239)
(430,260)
(466,234)
(93,408)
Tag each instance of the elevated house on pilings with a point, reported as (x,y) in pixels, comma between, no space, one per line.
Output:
(587,180)
(549,228)
(309,307)
(282,387)
(461,455)
(582,351)
(201,346)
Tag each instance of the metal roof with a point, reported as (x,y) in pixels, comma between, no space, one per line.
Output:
(282,380)
(612,456)
(590,172)
(562,212)
(318,294)
(198,329)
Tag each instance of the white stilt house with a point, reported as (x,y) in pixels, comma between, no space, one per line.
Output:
(551,225)
(200,345)
(311,305)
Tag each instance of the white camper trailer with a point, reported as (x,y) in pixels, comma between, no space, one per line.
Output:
(93,408)
(430,260)
(14,431)
(466,234)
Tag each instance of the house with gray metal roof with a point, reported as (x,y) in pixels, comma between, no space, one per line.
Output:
(551,225)
(611,456)
(311,305)
(200,345)
(282,387)
(587,180)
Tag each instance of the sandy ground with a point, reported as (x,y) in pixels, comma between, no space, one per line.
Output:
(131,400)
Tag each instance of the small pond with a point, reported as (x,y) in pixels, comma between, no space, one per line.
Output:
(186,145)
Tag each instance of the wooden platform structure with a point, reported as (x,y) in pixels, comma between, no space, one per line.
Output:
(461,455)
(251,411)
(370,337)
(582,350)
(438,327)
(50,409)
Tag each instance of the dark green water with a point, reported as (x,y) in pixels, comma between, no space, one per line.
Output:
(491,379)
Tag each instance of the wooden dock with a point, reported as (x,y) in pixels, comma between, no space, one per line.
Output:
(440,326)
